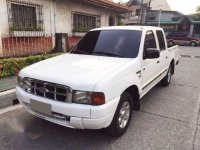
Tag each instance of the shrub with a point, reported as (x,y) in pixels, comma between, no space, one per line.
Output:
(12,66)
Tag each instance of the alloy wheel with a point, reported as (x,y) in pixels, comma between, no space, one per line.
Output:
(124,114)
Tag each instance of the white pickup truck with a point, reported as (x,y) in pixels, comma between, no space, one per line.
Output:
(101,80)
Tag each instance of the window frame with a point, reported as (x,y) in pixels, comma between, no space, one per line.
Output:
(17,26)
(137,12)
(145,40)
(159,40)
(85,29)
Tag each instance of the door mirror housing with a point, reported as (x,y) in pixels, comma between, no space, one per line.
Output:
(151,53)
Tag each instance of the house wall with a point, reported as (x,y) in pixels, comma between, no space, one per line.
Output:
(131,18)
(65,9)
(167,21)
(57,19)
(165,16)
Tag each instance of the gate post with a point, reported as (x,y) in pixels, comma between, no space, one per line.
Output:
(1,45)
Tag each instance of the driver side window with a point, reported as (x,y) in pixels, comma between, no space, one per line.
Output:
(150,41)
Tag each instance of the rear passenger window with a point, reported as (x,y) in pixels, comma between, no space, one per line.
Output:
(161,40)
(150,41)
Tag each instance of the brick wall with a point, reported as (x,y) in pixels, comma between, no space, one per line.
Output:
(73,40)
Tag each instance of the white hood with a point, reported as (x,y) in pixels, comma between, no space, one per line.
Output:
(80,72)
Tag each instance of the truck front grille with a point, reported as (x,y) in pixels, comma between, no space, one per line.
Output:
(49,90)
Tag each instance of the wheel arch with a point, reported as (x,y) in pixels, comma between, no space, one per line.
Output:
(173,66)
(193,41)
(134,91)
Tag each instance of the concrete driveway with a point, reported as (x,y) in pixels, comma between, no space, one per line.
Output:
(169,119)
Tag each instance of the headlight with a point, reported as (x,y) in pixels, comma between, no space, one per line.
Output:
(90,98)
(20,81)
(24,83)
(27,85)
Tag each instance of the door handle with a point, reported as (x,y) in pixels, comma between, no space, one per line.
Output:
(158,62)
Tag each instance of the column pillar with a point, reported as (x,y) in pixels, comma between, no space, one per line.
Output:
(191,29)
(1,45)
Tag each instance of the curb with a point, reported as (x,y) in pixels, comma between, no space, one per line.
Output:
(8,98)
(10,108)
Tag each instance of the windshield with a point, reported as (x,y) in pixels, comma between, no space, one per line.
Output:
(113,43)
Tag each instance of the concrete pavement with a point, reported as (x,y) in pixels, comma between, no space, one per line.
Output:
(7,91)
(8,83)
(169,119)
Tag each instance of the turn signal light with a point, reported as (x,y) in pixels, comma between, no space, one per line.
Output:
(98,98)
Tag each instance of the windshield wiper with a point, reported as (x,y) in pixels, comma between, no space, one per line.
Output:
(107,54)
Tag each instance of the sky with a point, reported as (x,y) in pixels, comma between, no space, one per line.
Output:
(183,6)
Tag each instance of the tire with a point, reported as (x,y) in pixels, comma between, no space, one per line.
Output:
(193,44)
(171,43)
(167,79)
(122,117)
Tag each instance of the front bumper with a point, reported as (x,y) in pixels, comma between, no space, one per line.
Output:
(78,116)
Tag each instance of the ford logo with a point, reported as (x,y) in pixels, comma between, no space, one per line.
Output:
(43,90)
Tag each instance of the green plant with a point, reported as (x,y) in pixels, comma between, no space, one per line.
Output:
(12,66)
(80,30)
(120,23)
(25,28)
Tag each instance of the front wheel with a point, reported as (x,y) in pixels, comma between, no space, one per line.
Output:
(171,43)
(166,80)
(122,117)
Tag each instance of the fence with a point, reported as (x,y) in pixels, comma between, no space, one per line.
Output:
(14,46)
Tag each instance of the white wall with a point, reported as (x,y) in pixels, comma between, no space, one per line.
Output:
(4,17)
(65,8)
(58,14)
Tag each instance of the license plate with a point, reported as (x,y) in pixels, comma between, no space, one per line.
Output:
(41,107)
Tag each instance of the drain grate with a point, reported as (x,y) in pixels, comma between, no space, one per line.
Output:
(189,56)
(185,56)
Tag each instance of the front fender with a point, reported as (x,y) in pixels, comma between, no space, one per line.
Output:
(114,88)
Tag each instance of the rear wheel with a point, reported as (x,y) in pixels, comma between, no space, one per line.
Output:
(166,80)
(193,44)
(122,117)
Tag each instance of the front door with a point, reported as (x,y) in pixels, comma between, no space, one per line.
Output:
(150,66)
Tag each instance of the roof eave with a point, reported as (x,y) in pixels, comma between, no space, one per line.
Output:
(110,5)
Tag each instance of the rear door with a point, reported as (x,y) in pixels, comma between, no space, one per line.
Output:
(164,58)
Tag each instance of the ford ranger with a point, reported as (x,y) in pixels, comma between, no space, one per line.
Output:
(99,83)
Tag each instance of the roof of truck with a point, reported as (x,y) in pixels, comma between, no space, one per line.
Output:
(127,28)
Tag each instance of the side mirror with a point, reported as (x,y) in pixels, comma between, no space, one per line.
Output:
(151,53)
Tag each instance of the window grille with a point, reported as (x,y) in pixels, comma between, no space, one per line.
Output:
(24,16)
(84,23)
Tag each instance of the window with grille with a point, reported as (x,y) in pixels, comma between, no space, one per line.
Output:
(84,23)
(137,12)
(25,16)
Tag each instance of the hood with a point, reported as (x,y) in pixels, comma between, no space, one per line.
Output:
(80,72)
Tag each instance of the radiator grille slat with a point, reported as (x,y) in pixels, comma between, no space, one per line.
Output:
(51,90)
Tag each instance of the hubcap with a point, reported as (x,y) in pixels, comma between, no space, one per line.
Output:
(124,114)
(170,43)
(169,74)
